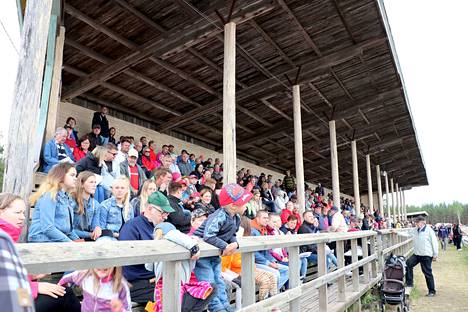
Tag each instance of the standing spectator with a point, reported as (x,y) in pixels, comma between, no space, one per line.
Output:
(122,155)
(426,250)
(83,149)
(289,183)
(100,118)
(181,217)
(220,230)
(138,203)
(85,208)
(130,169)
(95,137)
(112,133)
(52,219)
(56,151)
(72,123)
(443,236)
(457,236)
(320,190)
(184,165)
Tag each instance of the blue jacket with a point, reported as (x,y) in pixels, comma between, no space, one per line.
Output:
(219,229)
(139,228)
(262,256)
(52,219)
(110,215)
(91,214)
(51,154)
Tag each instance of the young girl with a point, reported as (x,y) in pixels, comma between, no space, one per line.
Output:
(205,201)
(52,219)
(86,208)
(116,210)
(103,289)
(138,203)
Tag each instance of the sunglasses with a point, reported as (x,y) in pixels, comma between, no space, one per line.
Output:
(113,154)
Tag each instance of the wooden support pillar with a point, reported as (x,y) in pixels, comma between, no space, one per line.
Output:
(397,195)
(22,143)
(229,104)
(298,148)
(404,205)
(341,264)
(357,196)
(379,189)
(369,184)
(294,276)
(334,164)
(322,270)
(171,287)
(248,279)
(393,201)
(387,197)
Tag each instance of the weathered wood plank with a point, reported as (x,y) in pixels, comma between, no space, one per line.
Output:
(248,279)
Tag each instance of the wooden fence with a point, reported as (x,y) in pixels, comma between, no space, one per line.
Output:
(60,257)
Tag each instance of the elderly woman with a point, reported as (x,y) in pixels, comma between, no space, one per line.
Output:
(56,151)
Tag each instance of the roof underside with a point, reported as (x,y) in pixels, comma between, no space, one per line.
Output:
(162,62)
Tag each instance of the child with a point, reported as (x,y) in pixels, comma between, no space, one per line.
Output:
(220,230)
(104,290)
(195,295)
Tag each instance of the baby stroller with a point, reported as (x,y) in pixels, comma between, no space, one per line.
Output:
(392,288)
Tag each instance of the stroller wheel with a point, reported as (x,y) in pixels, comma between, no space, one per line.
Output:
(382,307)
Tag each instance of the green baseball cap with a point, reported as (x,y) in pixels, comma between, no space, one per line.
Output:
(158,199)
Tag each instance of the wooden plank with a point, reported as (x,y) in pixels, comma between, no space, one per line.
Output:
(294,276)
(298,154)
(248,279)
(322,270)
(171,286)
(354,258)
(365,253)
(20,163)
(54,98)
(373,251)
(341,264)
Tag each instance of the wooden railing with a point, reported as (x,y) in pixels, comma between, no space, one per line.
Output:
(60,257)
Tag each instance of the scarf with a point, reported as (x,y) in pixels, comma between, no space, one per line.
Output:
(11,230)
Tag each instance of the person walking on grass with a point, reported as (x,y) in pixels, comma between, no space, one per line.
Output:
(426,249)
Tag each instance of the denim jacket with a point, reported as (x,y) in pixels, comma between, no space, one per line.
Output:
(51,154)
(110,215)
(52,219)
(91,213)
(108,177)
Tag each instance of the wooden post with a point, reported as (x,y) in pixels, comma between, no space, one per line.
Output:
(393,201)
(397,194)
(171,286)
(369,184)
(404,205)
(229,104)
(22,143)
(379,189)
(380,255)
(248,279)
(341,264)
(354,259)
(387,196)
(54,98)
(365,253)
(294,276)
(373,250)
(357,196)
(322,270)
(334,164)
(298,148)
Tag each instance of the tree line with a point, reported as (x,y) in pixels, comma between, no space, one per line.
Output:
(444,212)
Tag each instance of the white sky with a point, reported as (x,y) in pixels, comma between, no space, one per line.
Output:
(431,39)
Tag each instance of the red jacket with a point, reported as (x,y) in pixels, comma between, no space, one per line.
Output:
(286,213)
(78,153)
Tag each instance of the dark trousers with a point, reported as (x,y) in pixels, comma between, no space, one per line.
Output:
(192,304)
(66,303)
(426,267)
(142,291)
(457,242)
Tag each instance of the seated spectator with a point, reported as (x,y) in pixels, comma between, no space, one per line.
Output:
(138,203)
(52,220)
(100,118)
(267,197)
(168,163)
(110,170)
(254,205)
(112,132)
(116,210)
(144,141)
(281,199)
(93,160)
(122,154)
(198,217)
(95,137)
(275,188)
(290,226)
(130,169)
(211,185)
(263,258)
(147,163)
(205,202)
(72,123)
(47,297)
(83,149)
(354,224)
(323,220)
(338,223)
(194,295)
(85,208)
(70,140)
(181,217)
(56,151)
(291,209)
(217,173)
(142,228)
(162,178)
(220,230)
(185,167)
(159,156)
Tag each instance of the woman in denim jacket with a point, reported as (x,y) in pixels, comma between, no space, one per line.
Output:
(52,219)
(115,211)
(86,208)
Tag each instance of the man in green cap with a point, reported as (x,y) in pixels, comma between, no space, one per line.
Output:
(141,228)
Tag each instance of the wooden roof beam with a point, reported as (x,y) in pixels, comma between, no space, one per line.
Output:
(182,37)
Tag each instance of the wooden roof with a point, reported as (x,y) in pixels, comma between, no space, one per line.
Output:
(162,62)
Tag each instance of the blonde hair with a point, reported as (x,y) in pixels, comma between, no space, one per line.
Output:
(144,193)
(117,279)
(100,153)
(126,201)
(6,199)
(77,193)
(53,182)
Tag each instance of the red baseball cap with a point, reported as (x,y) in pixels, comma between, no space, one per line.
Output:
(234,194)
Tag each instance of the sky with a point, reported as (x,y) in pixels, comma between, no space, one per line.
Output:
(431,39)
